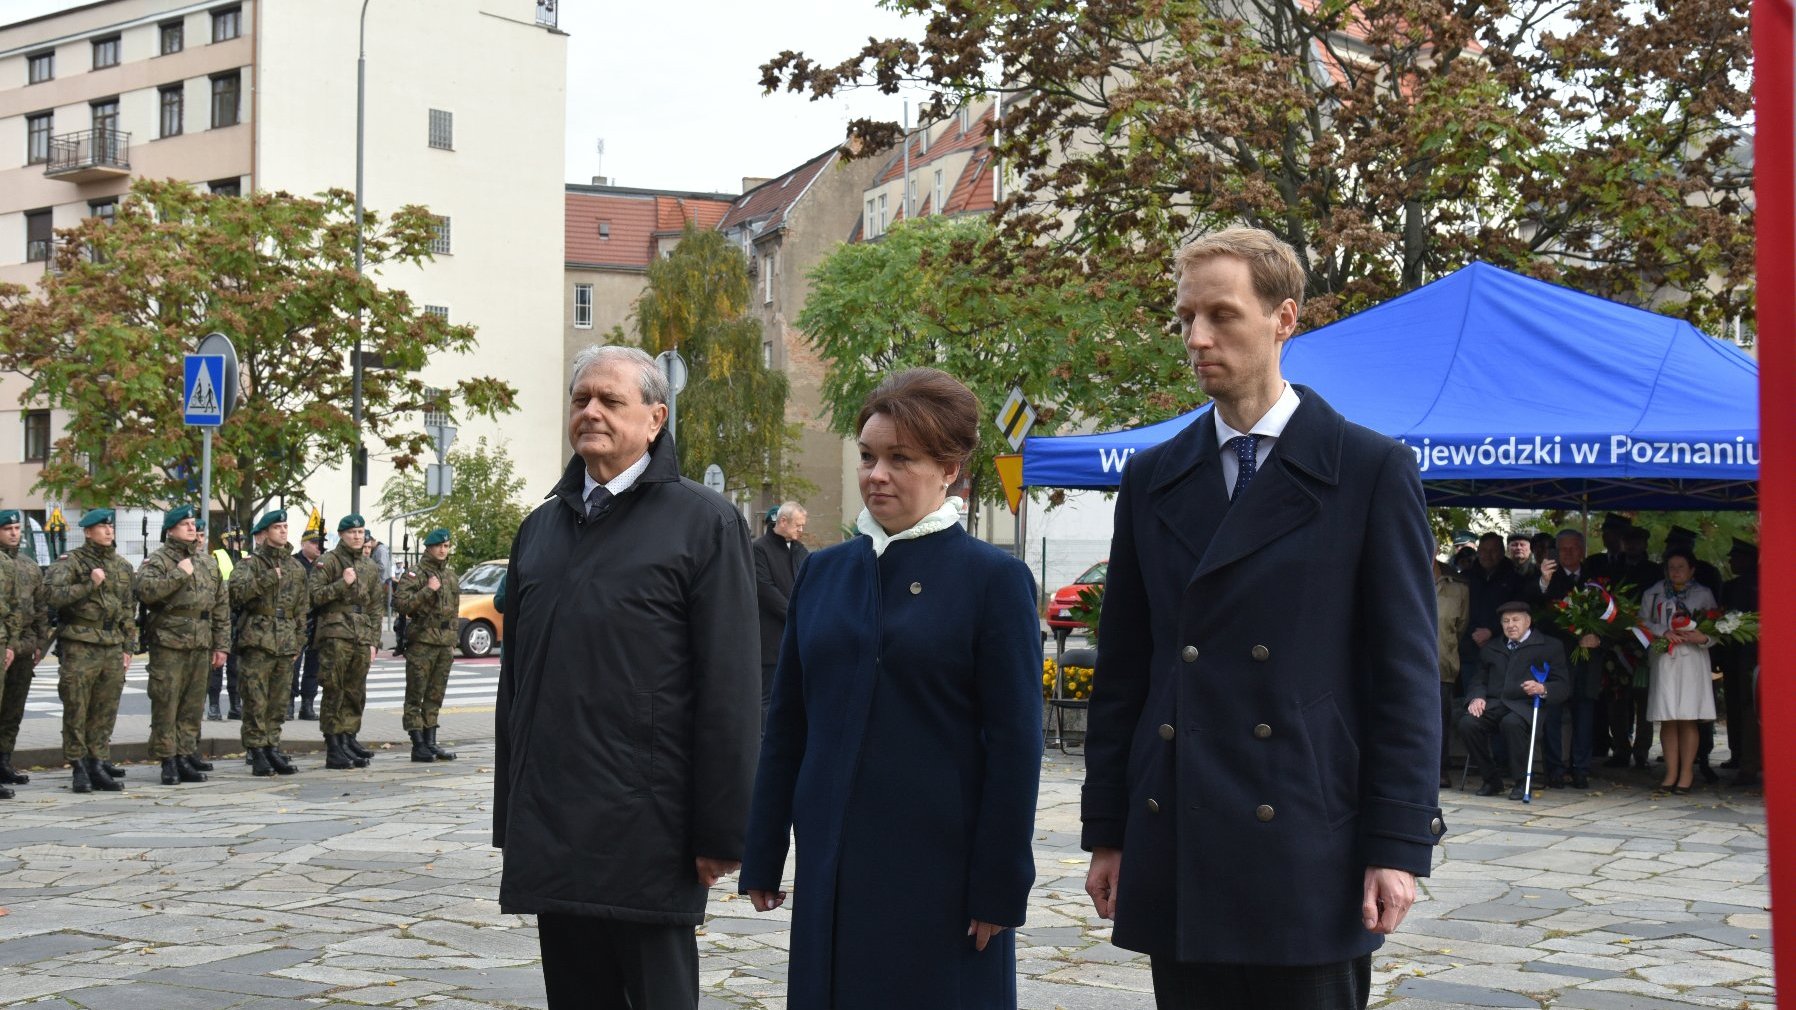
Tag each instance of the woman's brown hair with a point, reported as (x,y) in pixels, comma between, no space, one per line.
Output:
(931,408)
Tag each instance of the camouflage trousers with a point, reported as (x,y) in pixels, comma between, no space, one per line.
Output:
(426,678)
(343,674)
(12,699)
(262,677)
(90,681)
(177,699)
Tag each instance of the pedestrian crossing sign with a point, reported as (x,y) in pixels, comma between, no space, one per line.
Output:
(202,394)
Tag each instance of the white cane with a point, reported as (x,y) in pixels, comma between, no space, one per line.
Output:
(1533,725)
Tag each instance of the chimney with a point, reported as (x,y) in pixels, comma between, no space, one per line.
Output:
(750,182)
(600,180)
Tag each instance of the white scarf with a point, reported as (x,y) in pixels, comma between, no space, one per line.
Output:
(934,522)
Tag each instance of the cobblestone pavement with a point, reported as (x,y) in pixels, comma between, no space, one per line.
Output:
(377,887)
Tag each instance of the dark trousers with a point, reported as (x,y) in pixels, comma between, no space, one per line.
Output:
(1477,731)
(1450,709)
(1344,985)
(603,964)
(1582,712)
(1742,716)
(766,691)
(224,677)
(1628,729)
(305,675)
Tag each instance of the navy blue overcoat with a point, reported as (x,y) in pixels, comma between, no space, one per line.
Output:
(1265,716)
(903,750)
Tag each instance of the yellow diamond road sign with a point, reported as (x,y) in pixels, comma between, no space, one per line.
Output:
(1015,418)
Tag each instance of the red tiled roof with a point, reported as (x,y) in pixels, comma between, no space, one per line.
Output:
(672,213)
(633,219)
(769,202)
(952,141)
(973,192)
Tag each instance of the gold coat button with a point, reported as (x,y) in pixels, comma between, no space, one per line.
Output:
(1153,806)
(1260,652)
(1189,653)
(1262,732)
(1166,732)
(915,588)
(1263,812)
(1437,826)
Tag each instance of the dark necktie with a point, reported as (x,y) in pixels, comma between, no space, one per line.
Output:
(598,502)
(1514,645)
(1247,449)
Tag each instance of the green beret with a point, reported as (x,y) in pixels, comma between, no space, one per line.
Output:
(174,517)
(268,519)
(94,517)
(351,522)
(436,536)
(10,517)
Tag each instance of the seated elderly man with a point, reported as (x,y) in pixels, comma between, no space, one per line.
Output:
(1511,671)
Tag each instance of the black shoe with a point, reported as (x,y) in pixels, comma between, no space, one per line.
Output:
(10,775)
(1730,764)
(282,764)
(1491,787)
(1579,780)
(258,763)
(355,747)
(113,770)
(5,793)
(306,711)
(199,764)
(96,773)
(336,754)
(1515,792)
(1616,761)
(1659,760)
(81,783)
(171,772)
(1555,781)
(1709,775)
(421,752)
(212,712)
(1745,780)
(236,711)
(190,770)
(1640,761)
(430,737)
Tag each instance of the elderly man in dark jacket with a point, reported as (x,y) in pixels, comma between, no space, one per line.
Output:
(1512,671)
(1264,730)
(778,553)
(628,711)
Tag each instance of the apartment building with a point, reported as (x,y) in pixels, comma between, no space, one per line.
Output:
(946,167)
(464,113)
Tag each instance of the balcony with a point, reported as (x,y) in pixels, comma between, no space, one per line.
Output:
(89,156)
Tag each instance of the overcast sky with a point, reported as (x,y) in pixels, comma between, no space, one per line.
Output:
(673,85)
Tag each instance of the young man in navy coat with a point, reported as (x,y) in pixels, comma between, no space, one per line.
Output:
(1260,788)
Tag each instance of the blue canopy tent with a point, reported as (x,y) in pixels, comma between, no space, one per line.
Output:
(1512,392)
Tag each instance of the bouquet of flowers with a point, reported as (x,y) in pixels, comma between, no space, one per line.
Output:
(1078,681)
(1593,609)
(1730,627)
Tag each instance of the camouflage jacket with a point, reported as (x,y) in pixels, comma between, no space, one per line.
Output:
(29,604)
(347,611)
(186,611)
(431,615)
(12,614)
(105,614)
(269,587)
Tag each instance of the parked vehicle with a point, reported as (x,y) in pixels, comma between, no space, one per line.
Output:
(1065,602)
(481,630)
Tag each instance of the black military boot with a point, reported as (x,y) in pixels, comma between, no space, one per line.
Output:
(236,710)
(421,751)
(10,775)
(430,737)
(347,742)
(258,763)
(81,783)
(279,760)
(212,712)
(6,793)
(113,770)
(306,711)
(96,773)
(171,772)
(199,764)
(189,771)
(355,747)
(334,758)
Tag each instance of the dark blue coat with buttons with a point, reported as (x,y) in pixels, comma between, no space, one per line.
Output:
(1265,718)
(903,750)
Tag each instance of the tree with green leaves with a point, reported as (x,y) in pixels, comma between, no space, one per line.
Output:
(733,409)
(103,338)
(481,511)
(1598,144)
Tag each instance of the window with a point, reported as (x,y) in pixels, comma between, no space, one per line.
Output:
(883,217)
(174,104)
(767,280)
(227,24)
(939,197)
(226,187)
(439,311)
(442,130)
(106,210)
(106,52)
(583,306)
(37,137)
(923,141)
(38,234)
(105,114)
(227,94)
(37,436)
(966,119)
(171,36)
(41,67)
(605,231)
(910,192)
(766,354)
(441,244)
(869,228)
(545,12)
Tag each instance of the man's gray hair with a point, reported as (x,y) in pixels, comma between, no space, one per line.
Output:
(654,384)
(1569,534)
(788,510)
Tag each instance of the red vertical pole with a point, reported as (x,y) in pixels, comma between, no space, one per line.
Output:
(1774,146)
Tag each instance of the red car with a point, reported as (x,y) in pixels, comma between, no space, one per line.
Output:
(1066,600)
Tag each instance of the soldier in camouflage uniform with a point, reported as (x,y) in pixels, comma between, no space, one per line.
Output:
(347,593)
(31,639)
(430,598)
(96,632)
(269,589)
(188,632)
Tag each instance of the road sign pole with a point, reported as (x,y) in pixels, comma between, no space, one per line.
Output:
(206,480)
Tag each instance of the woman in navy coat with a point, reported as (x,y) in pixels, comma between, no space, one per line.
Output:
(903,745)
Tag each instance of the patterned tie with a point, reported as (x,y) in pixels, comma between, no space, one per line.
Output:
(598,502)
(1247,449)
(1514,645)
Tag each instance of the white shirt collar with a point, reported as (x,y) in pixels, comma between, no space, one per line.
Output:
(619,484)
(1272,425)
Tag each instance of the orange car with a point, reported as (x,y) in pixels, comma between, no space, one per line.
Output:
(1066,600)
(481,630)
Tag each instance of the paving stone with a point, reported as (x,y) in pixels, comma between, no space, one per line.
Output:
(43,946)
(137,996)
(1461,995)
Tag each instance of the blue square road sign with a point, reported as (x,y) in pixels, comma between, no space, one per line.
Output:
(202,394)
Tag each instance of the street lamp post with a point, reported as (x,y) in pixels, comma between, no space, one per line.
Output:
(355,358)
